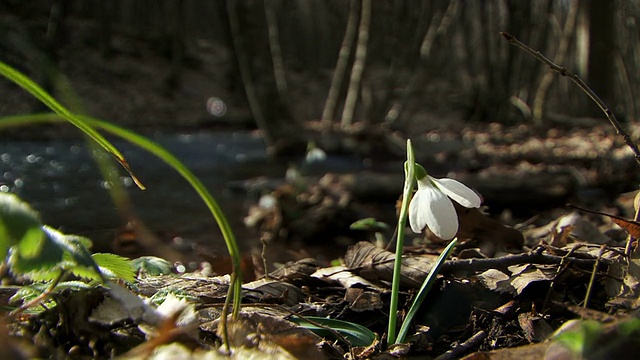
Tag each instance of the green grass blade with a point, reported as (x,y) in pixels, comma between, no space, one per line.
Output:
(355,334)
(34,89)
(424,289)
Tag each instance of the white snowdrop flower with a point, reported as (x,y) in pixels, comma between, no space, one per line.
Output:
(431,205)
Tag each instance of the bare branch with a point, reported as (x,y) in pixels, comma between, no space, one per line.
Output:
(582,85)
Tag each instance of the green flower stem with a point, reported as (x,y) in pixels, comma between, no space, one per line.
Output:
(169,159)
(409,170)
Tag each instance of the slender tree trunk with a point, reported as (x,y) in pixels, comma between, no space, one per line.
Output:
(541,94)
(358,64)
(106,15)
(245,73)
(439,26)
(341,66)
(276,51)
(602,47)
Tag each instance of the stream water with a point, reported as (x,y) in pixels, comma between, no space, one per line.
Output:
(62,182)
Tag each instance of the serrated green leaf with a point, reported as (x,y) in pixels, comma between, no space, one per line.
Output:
(19,224)
(30,292)
(152,265)
(120,267)
(74,246)
(356,334)
(44,275)
(84,272)
(161,295)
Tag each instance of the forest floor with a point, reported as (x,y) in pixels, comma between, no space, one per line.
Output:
(525,266)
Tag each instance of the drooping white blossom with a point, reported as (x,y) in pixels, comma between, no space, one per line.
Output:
(431,205)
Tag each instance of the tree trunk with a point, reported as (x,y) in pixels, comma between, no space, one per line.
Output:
(601,50)
(358,64)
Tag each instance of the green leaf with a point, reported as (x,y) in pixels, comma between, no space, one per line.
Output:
(356,334)
(46,257)
(370,224)
(75,246)
(115,265)
(161,295)
(30,292)
(424,289)
(152,265)
(44,275)
(577,340)
(19,224)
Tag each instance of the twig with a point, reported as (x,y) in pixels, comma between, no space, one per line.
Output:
(534,257)
(561,267)
(582,85)
(593,277)
(628,249)
(463,348)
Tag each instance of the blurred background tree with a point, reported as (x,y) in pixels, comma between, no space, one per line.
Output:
(394,65)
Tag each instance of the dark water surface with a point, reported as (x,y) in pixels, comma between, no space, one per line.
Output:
(62,182)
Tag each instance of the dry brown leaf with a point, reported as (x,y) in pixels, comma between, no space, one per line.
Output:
(375,264)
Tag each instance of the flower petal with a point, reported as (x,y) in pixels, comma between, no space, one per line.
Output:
(417,218)
(458,191)
(432,208)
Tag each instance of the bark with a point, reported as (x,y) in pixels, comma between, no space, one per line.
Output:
(341,66)
(358,64)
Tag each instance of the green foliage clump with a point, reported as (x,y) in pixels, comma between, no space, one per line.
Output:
(45,256)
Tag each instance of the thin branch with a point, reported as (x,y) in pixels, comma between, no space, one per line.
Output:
(582,85)
(533,257)
(592,280)
(471,343)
